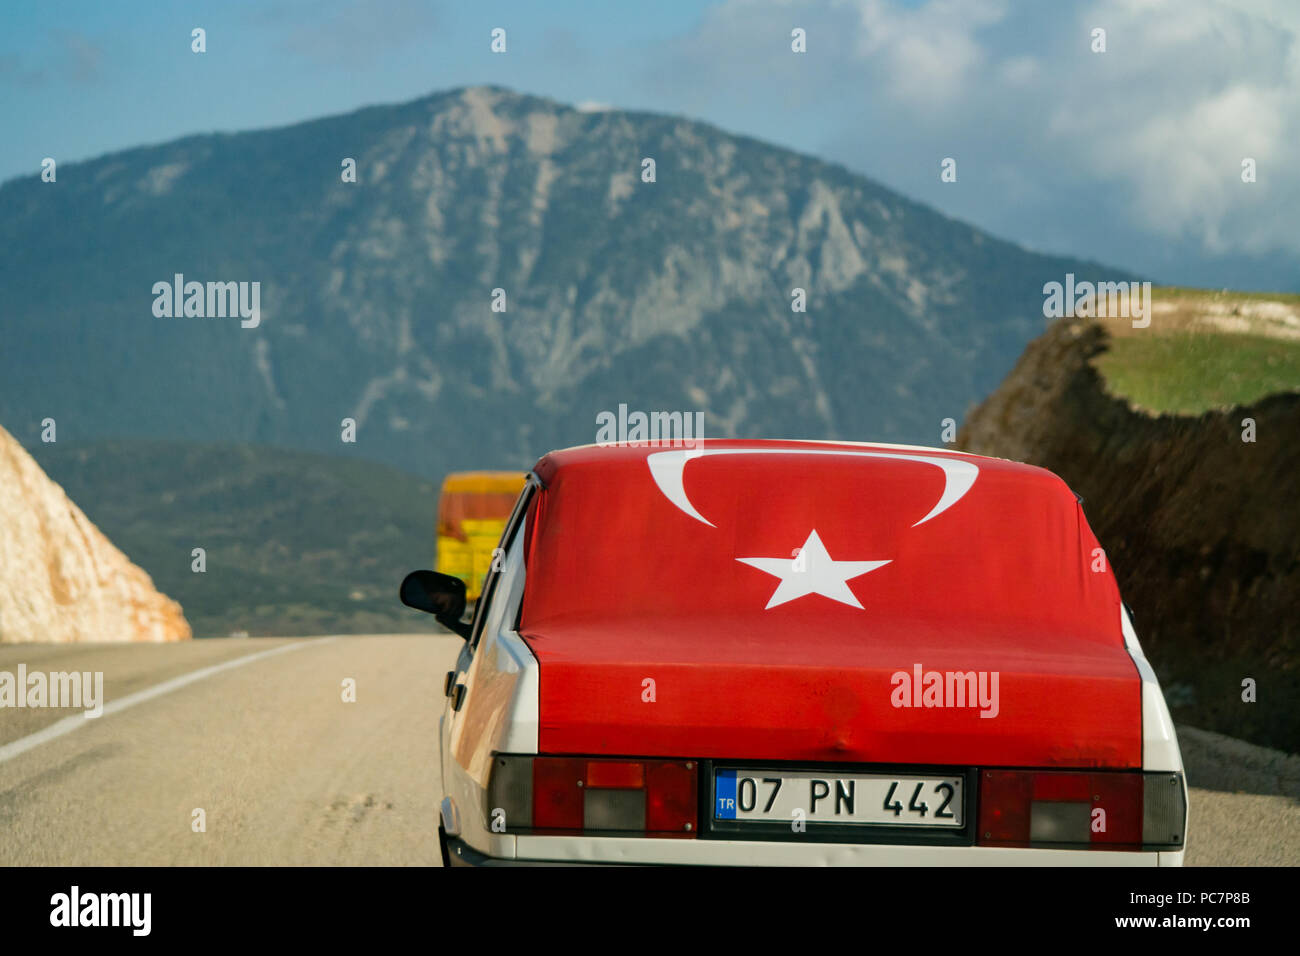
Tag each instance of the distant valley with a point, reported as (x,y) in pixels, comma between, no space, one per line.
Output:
(293,542)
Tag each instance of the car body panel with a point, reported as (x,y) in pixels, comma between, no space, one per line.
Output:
(499,710)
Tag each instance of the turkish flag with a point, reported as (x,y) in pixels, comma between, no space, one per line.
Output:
(761,599)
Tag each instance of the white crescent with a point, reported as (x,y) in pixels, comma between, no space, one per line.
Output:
(668,470)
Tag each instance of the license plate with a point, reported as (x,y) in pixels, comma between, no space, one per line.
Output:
(819,797)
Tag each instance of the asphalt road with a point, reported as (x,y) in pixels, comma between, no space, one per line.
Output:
(257,735)
(285,771)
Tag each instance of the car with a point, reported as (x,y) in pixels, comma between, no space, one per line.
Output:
(800,653)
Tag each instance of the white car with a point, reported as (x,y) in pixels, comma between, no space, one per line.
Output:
(786,653)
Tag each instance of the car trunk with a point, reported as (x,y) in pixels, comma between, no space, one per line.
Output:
(701,688)
(776,602)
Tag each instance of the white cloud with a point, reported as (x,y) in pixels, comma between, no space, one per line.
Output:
(1153,131)
(1200,85)
(927,53)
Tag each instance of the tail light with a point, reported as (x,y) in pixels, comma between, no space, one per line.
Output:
(1081,810)
(565,795)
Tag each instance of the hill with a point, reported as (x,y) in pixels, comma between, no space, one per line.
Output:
(375,296)
(1200,526)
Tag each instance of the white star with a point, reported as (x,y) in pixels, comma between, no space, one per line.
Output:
(812,572)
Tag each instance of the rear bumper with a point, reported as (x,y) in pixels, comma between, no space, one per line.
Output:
(457,852)
(612,851)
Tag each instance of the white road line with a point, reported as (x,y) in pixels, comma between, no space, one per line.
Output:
(68,724)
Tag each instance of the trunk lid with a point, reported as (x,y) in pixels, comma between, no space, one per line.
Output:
(819,602)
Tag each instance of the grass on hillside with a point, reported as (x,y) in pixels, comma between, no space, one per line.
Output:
(1188,373)
(1166,293)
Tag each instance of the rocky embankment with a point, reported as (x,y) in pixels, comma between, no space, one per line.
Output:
(61,580)
(1202,528)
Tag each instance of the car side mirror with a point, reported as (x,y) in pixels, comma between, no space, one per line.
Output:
(441,595)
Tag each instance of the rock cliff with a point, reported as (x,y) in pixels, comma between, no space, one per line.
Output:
(61,580)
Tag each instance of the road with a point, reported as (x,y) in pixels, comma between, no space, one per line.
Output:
(285,771)
(257,735)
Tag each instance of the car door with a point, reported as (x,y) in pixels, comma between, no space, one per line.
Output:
(487,620)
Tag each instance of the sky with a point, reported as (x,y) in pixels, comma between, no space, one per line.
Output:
(1131,156)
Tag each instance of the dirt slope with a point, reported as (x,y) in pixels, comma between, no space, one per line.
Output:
(1202,528)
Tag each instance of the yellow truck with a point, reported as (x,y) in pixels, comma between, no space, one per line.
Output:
(472,513)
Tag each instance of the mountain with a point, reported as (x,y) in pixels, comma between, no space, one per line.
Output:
(1199,525)
(376,295)
(61,580)
(294,543)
